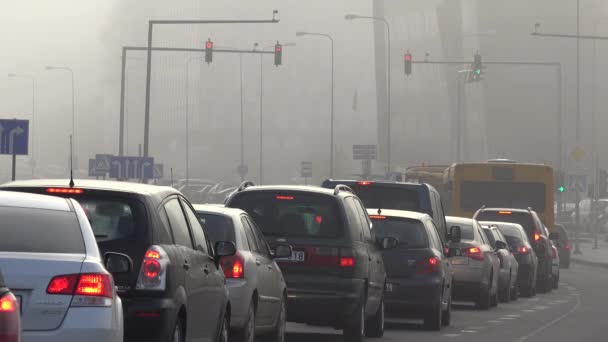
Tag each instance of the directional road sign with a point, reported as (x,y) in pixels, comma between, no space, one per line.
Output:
(576,183)
(131,167)
(94,171)
(306,169)
(102,162)
(364,152)
(159,171)
(14,136)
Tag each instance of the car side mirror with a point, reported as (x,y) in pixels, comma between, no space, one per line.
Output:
(117,263)
(224,249)
(501,245)
(554,236)
(455,234)
(389,242)
(282,252)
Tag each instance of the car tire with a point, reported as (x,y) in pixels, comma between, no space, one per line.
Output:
(278,335)
(446,318)
(178,334)
(515,293)
(433,318)
(224,335)
(354,329)
(556,283)
(505,294)
(247,333)
(494,301)
(374,327)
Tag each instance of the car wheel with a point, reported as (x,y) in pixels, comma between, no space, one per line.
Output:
(354,329)
(178,332)
(433,318)
(247,333)
(515,293)
(505,295)
(556,283)
(223,335)
(494,301)
(374,327)
(278,335)
(446,318)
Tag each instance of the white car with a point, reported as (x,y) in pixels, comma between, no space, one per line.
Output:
(51,262)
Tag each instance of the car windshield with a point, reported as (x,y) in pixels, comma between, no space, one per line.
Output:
(410,233)
(218,227)
(521,218)
(475,195)
(296,214)
(387,196)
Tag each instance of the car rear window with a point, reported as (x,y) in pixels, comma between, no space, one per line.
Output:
(466,231)
(292,214)
(513,241)
(520,195)
(387,197)
(410,233)
(521,218)
(111,219)
(40,231)
(218,227)
(510,231)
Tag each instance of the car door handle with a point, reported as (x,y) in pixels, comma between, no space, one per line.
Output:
(186,265)
(206,270)
(258,262)
(270,268)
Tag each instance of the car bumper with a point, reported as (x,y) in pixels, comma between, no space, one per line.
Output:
(240,295)
(83,324)
(412,295)
(149,319)
(324,307)
(467,281)
(525,273)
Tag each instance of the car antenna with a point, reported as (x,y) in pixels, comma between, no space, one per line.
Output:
(71,163)
(172,177)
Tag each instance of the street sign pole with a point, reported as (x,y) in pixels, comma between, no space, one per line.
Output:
(577,221)
(14,166)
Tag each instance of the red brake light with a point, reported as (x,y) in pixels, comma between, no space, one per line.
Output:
(536,236)
(8,303)
(428,266)
(377,217)
(64,191)
(554,250)
(319,219)
(364,183)
(347,262)
(473,253)
(285,198)
(151,268)
(95,285)
(568,246)
(152,255)
(523,250)
(234,267)
(505,212)
(152,274)
(63,285)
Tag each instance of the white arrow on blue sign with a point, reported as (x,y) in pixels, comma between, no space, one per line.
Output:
(131,167)
(14,136)
(576,183)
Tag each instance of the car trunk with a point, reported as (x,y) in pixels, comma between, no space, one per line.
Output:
(403,262)
(28,276)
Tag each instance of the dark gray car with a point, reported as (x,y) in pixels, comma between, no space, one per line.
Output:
(507,277)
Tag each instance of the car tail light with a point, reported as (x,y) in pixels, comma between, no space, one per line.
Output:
(364,183)
(233,266)
(70,191)
(554,251)
(153,273)
(346,262)
(331,257)
(10,320)
(88,289)
(428,266)
(523,250)
(285,198)
(536,236)
(568,246)
(474,253)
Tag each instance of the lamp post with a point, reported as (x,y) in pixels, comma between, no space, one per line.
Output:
(331,144)
(33,80)
(49,68)
(388,32)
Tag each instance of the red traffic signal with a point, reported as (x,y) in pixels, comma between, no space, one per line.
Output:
(408,63)
(209,51)
(278,54)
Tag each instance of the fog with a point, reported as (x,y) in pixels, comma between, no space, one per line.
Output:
(512,113)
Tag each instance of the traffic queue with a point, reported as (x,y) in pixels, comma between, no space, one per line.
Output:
(111,261)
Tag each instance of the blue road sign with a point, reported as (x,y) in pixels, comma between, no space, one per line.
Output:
(131,167)
(576,183)
(364,152)
(102,162)
(159,171)
(94,171)
(14,136)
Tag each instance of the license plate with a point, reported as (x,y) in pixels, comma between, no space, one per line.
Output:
(296,256)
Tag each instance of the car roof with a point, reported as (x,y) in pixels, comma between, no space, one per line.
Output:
(14,199)
(462,220)
(296,188)
(382,182)
(399,213)
(498,223)
(216,209)
(515,210)
(127,187)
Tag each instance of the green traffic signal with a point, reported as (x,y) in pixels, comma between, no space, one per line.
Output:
(561,189)
(478,71)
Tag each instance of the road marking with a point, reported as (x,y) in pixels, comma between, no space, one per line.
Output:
(507,318)
(574,308)
(528,310)
(494,321)
(516,316)
(452,335)
(540,307)
(468,331)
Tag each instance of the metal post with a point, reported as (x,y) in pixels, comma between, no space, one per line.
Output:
(261,157)
(14,166)
(73,117)
(121,129)
(578,118)
(459,96)
(560,140)
(242,116)
(33,128)
(186,121)
(388,146)
(331,143)
(577,223)
(148,78)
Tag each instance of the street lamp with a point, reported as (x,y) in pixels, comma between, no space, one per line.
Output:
(50,68)
(261,155)
(388,32)
(331,155)
(33,80)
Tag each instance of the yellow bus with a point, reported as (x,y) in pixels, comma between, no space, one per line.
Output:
(499,183)
(431,174)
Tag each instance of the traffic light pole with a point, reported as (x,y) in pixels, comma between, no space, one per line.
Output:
(125,51)
(149,49)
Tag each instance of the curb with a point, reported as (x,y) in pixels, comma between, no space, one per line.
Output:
(589,263)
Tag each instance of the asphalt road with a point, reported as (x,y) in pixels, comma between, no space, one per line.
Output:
(575,312)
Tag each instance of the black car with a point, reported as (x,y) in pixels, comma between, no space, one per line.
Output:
(564,246)
(335,276)
(176,291)
(10,316)
(419,272)
(422,198)
(541,244)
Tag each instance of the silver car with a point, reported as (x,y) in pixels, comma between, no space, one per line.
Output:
(255,283)
(507,277)
(51,261)
(476,267)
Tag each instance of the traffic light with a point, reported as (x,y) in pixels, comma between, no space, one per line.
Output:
(408,63)
(477,68)
(278,54)
(560,183)
(209,51)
